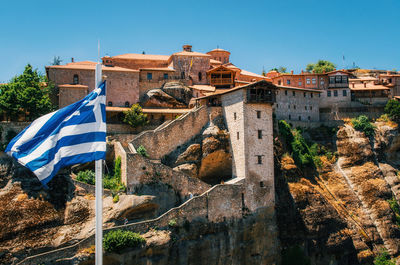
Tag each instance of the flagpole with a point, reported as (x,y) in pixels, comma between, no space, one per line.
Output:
(99,187)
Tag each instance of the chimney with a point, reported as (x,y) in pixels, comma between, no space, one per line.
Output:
(187,48)
(72,59)
(291,72)
(302,72)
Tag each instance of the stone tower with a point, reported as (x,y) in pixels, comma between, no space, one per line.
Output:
(248,114)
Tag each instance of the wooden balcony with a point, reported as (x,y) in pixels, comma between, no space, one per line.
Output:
(221,81)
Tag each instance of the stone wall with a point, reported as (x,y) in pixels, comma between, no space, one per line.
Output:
(233,109)
(16,127)
(141,171)
(297,105)
(354,110)
(122,86)
(164,140)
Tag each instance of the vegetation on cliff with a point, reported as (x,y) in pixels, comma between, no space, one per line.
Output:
(363,124)
(118,240)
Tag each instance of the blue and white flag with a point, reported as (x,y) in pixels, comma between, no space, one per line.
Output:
(72,135)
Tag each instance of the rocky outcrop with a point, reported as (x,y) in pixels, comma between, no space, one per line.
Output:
(341,214)
(178,91)
(160,99)
(207,157)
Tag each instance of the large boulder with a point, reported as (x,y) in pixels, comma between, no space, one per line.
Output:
(158,98)
(189,169)
(178,91)
(191,154)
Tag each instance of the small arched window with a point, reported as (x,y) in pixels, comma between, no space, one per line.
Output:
(110,103)
(200,76)
(75,80)
(127,104)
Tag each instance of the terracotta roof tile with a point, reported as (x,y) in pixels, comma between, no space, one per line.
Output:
(368,86)
(87,65)
(136,56)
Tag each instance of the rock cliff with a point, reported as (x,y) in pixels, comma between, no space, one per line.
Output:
(341,213)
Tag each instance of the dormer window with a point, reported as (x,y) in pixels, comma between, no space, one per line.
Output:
(75,80)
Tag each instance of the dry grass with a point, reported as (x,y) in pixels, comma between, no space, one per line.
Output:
(89,250)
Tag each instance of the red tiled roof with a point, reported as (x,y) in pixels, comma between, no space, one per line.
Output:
(219,50)
(203,88)
(136,56)
(164,69)
(368,86)
(149,111)
(72,86)
(88,65)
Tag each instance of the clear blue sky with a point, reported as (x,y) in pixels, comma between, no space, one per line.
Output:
(257,33)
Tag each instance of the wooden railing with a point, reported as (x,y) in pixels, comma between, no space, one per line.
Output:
(221,81)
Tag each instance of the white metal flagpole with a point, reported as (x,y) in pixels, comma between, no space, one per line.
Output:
(99,188)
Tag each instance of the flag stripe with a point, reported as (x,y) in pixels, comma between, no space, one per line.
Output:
(65,152)
(76,159)
(65,141)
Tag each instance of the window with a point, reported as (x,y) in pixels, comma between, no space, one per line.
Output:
(259,160)
(183,75)
(331,80)
(288,82)
(335,93)
(322,82)
(293,93)
(338,79)
(234,115)
(277,106)
(309,118)
(149,76)
(305,107)
(261,184)
(308,81)
(165,76)
(258,114)
(299,118)
(279,82)
(300,83)
(305,94)
(285,92)
(344,79)
(127,104)
(311,95)
(259,134)
(329,93)
(310,107)
(289,106)
(294,106)
(200,76)
(290,117)
(110,103)
(345,93)
(237,135)
(75,80)
(314,81)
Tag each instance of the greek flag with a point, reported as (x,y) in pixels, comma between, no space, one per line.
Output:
(72,135)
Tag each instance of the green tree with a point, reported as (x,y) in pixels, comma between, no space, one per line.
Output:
(383,258)
(320,67)
(135,116)
(363,124)
(392,109)
(26,94)
(281,69)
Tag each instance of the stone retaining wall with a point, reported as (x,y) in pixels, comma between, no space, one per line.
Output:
(163,141)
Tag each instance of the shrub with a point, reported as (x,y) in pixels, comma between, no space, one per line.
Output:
(142,151)
(285,131)
(383,258)
(117,240)
(135,116)
(172,223)
(394,205)
(87,176)
(392,109)
(362,123)
(116,198)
